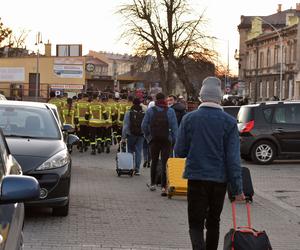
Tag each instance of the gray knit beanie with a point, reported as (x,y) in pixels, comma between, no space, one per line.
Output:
(211,90)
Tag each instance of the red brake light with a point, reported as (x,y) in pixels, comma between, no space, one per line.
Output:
(248,127)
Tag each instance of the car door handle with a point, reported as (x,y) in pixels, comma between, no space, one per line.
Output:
(279,130)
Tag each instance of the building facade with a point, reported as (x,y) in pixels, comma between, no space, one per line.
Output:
(269,64)
(34,76)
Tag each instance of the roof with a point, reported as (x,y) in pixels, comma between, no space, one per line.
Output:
(24,104)
(278,19)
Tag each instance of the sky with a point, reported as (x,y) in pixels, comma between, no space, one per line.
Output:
(94,24)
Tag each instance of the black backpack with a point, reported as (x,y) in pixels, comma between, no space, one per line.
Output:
(159,125)
(136,119)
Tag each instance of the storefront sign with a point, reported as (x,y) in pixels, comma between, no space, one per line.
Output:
(12,74)
(66,86)
(68,71)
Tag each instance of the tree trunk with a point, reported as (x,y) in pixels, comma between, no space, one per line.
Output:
(183,77)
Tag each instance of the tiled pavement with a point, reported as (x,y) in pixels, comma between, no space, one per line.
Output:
(107,212)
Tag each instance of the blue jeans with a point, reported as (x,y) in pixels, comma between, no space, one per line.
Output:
(135,145)
(146,153)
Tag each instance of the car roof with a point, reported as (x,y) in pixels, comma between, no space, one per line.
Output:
(25,103)
(271,103)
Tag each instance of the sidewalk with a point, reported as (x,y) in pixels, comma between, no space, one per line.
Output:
(108,212)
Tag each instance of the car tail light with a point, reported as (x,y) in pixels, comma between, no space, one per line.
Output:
(247,127)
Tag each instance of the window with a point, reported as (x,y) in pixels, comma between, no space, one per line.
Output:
(275,88)
(268,114)
(269,58)
(291,89)
(289,114)
(283,90)
(261,59)
(275,55)
(261,89)
(28,121)
(268,89)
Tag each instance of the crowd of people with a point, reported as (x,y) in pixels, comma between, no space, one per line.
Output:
(208,139)
(161,127)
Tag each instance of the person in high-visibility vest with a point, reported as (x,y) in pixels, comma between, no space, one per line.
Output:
(82,115)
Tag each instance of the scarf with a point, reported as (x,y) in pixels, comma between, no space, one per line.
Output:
(161,104)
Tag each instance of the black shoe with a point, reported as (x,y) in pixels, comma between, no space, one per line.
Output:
(163,192)
(145,164)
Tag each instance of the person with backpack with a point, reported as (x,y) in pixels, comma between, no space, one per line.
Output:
(132,131)
(160,129)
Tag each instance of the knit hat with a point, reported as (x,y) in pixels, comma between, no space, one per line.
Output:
(211,90)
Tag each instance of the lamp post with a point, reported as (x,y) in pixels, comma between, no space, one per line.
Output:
(281,54)
(38,41)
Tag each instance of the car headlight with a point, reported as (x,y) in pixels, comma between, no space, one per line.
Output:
(57,161)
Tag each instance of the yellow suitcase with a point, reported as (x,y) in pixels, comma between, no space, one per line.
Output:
(175,183)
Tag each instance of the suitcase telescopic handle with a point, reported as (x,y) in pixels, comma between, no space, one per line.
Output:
(233,205)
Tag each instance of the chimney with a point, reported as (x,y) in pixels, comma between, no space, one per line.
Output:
(297,6)
(279,7)
(48,49)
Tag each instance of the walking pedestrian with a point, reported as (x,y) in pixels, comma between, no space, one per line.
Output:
(160,129)
(132,131)
(208,139)
(178,107)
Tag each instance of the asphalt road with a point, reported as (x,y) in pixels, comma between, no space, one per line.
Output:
(108,212)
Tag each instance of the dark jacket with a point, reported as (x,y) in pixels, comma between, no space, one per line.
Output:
(209,139)
(180,111)
(173,127)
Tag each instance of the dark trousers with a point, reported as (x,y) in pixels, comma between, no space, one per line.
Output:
(162,149)
(205,204)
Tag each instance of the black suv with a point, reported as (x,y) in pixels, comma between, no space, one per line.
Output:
(269,131)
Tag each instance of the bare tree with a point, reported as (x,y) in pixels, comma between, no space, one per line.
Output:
(18,40)
(163,28)
(4,32)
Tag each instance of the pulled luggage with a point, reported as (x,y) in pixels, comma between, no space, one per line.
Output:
(245,238)
(176,185)
(125,162)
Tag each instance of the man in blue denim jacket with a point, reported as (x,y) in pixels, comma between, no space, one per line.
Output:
(160,147)
(208,138)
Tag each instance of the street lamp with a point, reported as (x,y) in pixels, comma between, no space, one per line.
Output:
(37,43)
(281,54)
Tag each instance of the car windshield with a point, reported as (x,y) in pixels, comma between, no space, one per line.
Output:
(245,114)
(28,122)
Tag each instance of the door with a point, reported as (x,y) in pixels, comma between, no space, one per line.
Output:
(286,127)
(11,215)
(34,84)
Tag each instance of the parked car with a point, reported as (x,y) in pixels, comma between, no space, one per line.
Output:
(269,131)
(36,141)
(15,189)
(232,110)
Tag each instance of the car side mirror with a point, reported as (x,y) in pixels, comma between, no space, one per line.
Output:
(72,139)
(15,188)
(68,128)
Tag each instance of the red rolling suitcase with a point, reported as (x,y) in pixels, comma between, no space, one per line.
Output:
(245,238)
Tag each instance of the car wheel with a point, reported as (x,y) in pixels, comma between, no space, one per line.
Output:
(263,152)
(61,211)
